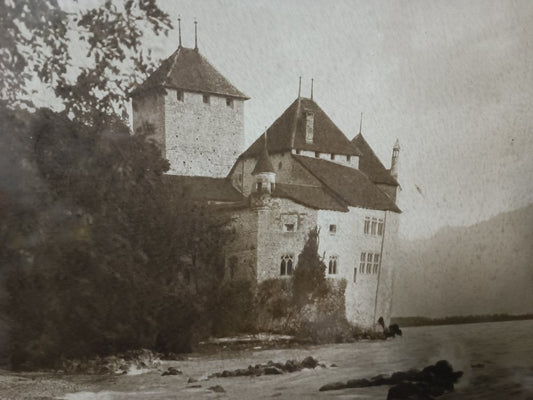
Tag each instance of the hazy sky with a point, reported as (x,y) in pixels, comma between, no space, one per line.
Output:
(452,80)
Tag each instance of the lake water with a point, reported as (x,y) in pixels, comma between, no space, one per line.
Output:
(497,359)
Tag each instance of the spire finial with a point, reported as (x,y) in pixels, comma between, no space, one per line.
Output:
(312,80)
(299,87)
(179,29)
(361,123)
(195,34)
(266,137)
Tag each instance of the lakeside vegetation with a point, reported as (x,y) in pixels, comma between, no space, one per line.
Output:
(458,319)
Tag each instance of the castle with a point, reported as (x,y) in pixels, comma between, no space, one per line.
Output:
(301,173)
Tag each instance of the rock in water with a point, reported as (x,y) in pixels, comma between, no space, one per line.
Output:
(309,362)
(217,389)
(171,371)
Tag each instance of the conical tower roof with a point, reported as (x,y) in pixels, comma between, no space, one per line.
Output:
(264,164)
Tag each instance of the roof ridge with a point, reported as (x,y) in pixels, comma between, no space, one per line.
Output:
(376,187)
(176,55)
(295,125)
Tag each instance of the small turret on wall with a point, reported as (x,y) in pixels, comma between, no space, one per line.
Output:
(395,159)
(265,180)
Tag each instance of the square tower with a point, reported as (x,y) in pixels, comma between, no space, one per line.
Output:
(193,113)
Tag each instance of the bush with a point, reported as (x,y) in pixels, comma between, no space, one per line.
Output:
(233,308)
(274,306)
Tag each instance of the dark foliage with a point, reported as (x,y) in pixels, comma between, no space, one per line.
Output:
(99,256)
(38,39)
(233,308)
(309,278)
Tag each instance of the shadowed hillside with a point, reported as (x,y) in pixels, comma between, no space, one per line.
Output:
(486,268)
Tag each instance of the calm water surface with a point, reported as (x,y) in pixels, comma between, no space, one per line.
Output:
(497,359)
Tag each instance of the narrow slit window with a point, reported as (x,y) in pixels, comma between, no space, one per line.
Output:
(206,99)
(380,227)
(362,263)
(369,263)
(374,226)
(333,229)
(332,266)
(179,95)
(317,154)
(376,264)
(367,225)
(229,102)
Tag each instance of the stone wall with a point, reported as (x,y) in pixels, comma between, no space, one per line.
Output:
(388,267)
(203,139)
(347,244)
(149,108)
(274,242)
(241,252)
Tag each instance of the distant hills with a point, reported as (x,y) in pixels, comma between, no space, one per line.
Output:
(486,268)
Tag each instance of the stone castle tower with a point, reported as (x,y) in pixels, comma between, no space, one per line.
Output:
(193,113)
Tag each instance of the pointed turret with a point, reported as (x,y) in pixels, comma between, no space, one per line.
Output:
(265,175)
(395,159)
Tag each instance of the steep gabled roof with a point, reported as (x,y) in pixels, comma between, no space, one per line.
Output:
(370,164)
(187,69)
(316,197)
(201,188)
(350,184)
(288,132)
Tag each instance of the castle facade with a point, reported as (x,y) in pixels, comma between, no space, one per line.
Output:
(302,173)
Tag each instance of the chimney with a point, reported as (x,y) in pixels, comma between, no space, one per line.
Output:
(309,126)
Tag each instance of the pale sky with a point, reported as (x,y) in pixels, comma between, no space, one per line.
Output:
(452,80)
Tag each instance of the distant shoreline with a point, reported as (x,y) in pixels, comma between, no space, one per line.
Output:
(455,320)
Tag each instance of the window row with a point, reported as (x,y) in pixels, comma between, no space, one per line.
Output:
(180,96)
(373,226)
(286,267)
(369,263)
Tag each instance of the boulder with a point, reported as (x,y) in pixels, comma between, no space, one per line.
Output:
(216,389)
(309,362)
(171,371)
(333,386)
(272,371)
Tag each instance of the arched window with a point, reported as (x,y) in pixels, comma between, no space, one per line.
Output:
(286,266)
(332,267)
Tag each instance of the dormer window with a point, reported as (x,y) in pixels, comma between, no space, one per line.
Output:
(309,125)
(179,95)
(229,102)
(332,156)
(207,99)
(348,158)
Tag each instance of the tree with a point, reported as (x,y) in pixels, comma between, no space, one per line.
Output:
(90,57)
(309,277)
(97,245)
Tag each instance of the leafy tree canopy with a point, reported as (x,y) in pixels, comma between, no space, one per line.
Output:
(90,57)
